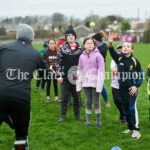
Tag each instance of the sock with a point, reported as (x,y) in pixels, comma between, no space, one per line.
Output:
(88,118)
(88,115)
(98,117)
(98,114)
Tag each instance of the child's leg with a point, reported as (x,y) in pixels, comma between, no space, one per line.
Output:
(117,101)
(48,88)
(55,87)
(125,103)
(95,97)
(65,91)
(133,117)
(88,98)
(43,84)
(105,97)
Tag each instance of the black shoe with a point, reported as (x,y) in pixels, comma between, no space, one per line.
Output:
(98,125)
(80,118)
(61,119)
(87,125)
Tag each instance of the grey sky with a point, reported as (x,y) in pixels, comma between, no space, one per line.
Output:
(76,8)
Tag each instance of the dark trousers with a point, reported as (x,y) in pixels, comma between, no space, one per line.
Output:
(42,84)
(117,101)
(19,112)
(49,87)
(66,89)
(130,109)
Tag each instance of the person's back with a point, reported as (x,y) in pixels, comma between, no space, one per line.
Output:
(18,61)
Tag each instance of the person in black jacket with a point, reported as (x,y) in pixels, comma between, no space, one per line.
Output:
(18,61)
(130,78)
(102,47)
(67,61)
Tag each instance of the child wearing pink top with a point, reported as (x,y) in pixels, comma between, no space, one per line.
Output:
(91,72)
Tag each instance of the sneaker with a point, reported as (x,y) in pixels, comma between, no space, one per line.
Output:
(58,101)
(136,134)
(61,119)
(21,145)
(47,100)
(80,118)
(126,131)
(98,125)
(87,125)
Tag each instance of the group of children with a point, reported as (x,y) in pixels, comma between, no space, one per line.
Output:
(127,76)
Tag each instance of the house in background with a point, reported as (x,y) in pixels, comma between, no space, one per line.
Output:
(82,31)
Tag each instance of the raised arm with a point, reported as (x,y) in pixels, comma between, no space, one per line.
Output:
(112,51)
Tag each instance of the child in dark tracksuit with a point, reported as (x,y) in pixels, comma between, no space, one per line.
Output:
(115,86)
(130,78)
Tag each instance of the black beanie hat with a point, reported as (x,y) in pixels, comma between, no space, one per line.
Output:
(119,46)
(70,31)
(97,37)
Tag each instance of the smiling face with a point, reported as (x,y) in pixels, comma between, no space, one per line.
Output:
(127,49)
(89,45)
(70,38)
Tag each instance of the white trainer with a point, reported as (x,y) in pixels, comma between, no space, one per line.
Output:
(126,131)
(136,134)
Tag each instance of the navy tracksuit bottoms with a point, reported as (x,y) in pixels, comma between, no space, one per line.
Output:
(129,109)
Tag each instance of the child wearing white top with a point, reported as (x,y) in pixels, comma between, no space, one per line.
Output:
(115,87)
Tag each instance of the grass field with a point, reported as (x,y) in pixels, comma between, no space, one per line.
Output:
(45,133)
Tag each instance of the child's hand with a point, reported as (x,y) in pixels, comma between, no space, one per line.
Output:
(133,90)
(51,67)
(60,80)
(110,38)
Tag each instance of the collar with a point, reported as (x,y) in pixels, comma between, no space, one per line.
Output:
(100,44)
(24,40)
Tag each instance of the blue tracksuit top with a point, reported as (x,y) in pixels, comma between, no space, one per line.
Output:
(129,69)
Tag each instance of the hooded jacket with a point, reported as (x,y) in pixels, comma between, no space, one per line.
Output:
(91,71)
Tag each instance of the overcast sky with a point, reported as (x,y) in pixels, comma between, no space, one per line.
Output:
(76,8)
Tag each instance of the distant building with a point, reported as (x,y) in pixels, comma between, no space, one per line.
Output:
(114,27)
(83,31)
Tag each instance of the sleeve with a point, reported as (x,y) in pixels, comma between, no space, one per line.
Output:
(140,74)
(59,63)
(101,73)
(114,54)
(103,50)
(79,75)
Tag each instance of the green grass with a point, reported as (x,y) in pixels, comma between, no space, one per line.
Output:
(45,133)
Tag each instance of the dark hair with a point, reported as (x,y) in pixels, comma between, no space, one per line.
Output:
(51,40)
(99,36)
(88,38)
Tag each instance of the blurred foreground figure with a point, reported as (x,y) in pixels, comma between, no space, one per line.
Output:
(18,61)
